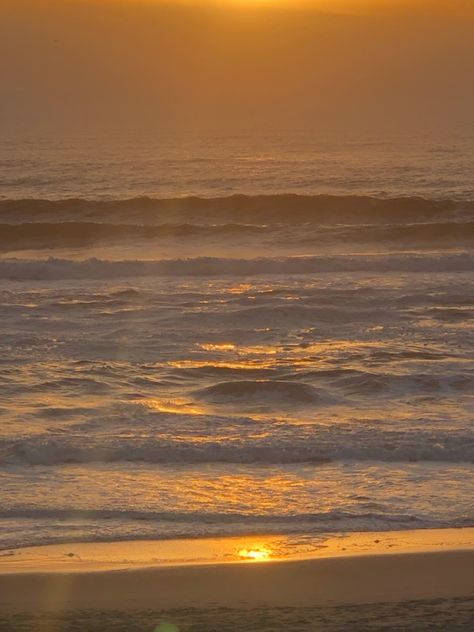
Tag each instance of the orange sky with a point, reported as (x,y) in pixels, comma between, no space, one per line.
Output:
(393,64)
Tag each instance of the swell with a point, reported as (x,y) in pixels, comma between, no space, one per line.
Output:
(63,234)
(83,234)
(296,393)
(57,269)
(326,209)
(413,233)
(333,385)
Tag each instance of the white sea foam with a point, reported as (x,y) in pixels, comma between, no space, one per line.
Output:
(267,443)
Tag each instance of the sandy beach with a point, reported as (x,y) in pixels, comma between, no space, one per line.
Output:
(420,578)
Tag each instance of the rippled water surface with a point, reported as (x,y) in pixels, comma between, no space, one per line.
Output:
(243,364)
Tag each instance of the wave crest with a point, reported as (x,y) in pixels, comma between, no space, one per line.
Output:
(318,444)
(52,268)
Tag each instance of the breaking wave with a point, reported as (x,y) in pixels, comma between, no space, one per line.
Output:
(317,445)
(53,268)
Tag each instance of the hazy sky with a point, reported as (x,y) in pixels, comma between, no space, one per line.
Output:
(88,64)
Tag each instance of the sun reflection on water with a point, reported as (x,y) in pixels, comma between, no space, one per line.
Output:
(256,554)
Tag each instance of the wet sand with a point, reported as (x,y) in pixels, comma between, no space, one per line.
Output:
(360,576)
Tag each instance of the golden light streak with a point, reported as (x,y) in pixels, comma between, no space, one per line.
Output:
(174,405)
(221,364)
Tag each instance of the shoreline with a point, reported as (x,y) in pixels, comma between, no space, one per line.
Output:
(249,549)
(441,568)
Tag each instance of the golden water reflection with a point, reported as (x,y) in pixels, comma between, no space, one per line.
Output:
(174,405)
(256,554)
(222,364)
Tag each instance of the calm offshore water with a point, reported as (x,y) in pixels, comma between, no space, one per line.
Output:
(176,165)
(257,363)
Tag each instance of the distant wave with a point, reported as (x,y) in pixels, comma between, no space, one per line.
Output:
(63,234)
(52,268)
(84,234)
(261,209)
(440,233)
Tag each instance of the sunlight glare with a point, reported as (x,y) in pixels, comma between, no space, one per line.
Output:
(256,554)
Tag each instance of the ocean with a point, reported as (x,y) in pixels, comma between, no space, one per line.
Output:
(212,335)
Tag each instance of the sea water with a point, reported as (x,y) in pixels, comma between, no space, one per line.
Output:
(207,335)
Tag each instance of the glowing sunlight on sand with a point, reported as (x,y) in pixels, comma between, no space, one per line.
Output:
(255,554)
